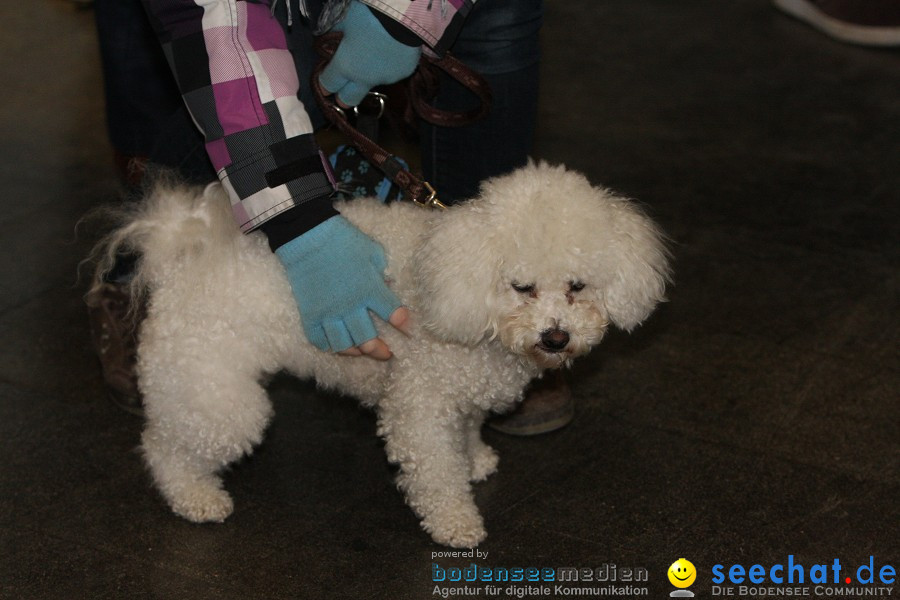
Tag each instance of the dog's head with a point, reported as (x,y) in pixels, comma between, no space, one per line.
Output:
(542,260)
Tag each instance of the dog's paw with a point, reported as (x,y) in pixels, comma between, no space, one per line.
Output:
(484,463)
(459,529)
(203,503)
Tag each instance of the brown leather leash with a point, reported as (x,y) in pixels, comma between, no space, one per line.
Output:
(423,86)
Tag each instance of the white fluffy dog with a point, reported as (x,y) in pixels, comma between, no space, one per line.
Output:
(524,278)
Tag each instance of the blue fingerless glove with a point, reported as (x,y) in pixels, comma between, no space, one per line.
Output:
(367,56)
(337,275)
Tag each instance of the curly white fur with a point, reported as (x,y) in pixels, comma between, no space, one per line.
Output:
(221,315)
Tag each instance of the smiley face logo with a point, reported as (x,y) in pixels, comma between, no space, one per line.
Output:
(682,573)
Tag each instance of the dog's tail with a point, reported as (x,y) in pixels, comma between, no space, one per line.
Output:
(172,226)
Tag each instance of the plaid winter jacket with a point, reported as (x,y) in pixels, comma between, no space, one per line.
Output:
(231,61)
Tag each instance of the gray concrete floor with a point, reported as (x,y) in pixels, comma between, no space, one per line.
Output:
(755,415)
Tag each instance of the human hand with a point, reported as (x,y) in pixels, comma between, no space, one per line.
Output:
(367,56)
(337,276)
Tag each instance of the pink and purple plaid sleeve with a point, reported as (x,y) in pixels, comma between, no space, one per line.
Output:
(436,22)
(238,79)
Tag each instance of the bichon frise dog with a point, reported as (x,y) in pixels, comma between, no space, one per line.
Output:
(524,278)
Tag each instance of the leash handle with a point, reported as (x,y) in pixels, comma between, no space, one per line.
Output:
(423,85)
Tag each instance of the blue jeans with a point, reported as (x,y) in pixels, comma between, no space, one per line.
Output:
(145,114)
(499,40)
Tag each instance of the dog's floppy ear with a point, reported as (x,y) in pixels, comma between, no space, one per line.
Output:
(457,270)
(640,264)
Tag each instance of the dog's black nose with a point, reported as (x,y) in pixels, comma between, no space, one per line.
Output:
(554,339)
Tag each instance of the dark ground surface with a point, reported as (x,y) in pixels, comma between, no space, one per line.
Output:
(755,416)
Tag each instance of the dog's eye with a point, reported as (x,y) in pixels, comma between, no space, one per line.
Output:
(576,286)
(523,288)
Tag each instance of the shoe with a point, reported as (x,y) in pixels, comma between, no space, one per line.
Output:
(547,406)
(114,336)
(865,22)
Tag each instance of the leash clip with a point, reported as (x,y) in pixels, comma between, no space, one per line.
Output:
(430,201)
(379,99)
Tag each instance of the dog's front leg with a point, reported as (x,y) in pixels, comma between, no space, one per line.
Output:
(482,457)
(428,438)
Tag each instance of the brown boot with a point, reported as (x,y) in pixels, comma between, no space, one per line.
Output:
(114,337)
(547,406)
